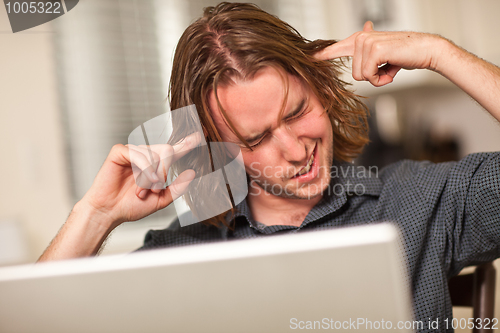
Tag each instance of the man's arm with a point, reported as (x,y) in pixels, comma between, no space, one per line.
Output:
(377,57)
(81,236)
(115,198)
(477,77)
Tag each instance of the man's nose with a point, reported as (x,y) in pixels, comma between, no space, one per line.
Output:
(292,148)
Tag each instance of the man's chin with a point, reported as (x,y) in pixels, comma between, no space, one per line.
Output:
(308,193)
(305,196)
(304,192)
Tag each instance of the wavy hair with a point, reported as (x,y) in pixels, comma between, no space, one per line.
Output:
(238,39)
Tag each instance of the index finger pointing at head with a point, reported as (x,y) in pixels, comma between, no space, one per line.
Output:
(180,149)
(187,144)
(344,48)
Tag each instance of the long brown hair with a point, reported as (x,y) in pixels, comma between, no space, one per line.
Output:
(238,39)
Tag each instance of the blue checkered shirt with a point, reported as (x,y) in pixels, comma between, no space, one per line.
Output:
(448,214)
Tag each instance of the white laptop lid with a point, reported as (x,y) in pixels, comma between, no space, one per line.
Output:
(351,277)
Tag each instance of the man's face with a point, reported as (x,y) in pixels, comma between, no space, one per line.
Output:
(290,159)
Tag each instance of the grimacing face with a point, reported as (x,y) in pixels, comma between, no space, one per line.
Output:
(290,159)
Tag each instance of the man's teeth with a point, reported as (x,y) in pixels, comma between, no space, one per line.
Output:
(307,167)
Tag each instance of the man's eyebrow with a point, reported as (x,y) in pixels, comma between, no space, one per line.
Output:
(288,116)
(296,111)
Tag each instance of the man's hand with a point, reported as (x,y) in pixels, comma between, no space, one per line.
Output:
(115,192)
(115,197)
(377,57)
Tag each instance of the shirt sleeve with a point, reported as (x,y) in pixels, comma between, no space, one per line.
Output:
(175,235)
(467,204)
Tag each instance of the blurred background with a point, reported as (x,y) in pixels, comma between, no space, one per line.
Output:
(72,88)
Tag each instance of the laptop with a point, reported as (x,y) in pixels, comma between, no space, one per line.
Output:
(351,278)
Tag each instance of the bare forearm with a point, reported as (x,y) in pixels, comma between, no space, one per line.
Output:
(478,78)
(115,198)
(81,236)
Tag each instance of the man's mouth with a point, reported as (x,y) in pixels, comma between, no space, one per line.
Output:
(308,166)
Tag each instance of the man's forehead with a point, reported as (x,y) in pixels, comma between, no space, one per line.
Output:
(254,102)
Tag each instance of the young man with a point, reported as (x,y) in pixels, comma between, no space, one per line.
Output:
(257,83)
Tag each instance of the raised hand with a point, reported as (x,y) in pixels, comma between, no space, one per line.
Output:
(115,197)
(123,196)
(377,56)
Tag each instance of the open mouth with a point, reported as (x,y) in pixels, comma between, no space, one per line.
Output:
(308,166)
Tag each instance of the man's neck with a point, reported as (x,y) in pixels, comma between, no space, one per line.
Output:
(270,209)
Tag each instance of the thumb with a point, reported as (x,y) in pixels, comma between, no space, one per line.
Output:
(368,26)
(181,183)
(178,188)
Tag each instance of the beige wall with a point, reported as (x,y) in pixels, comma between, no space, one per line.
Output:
(34,189)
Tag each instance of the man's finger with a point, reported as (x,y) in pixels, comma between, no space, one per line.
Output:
(154,175)
(368,26)
(344,48)
(181,148)
(181,183)
(166,160)
(140,192)
(185,146)
(141,165)
(386,75)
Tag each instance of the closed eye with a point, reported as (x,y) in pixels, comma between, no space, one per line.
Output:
(301,114)
(258,143)
(301,111)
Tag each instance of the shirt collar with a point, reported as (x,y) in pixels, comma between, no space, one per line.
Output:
(347,180)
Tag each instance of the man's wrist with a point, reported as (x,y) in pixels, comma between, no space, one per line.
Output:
(445,55)
(81,236)
(97,219)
